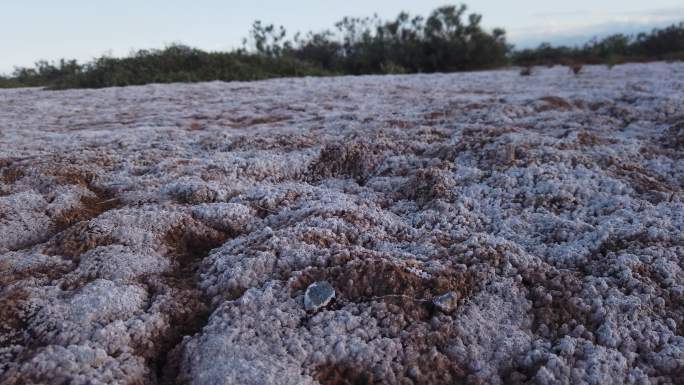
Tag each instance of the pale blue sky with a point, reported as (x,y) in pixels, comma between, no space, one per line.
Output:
(82,29)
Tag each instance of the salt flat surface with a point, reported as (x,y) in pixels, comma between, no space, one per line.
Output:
(167,233)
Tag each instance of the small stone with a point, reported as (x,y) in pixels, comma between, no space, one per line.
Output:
(414,372)
(447,302)
(318,295)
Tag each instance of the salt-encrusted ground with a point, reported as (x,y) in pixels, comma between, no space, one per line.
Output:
(166,234)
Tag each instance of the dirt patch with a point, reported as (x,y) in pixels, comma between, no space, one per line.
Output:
(615,244)
(12,317)
(323,238)
(428,185)
(344,373)
(11,174)
(435,117)
(587,138)
(425,359)
(196,126)
(381,280)
(351,160)
(190,241)
(78,239)
(674,136)
(396,123)
(188,244)
(649,185)
(267,141)
(90,207)
(554,103)
(557,308)
(422,363)
(187,311)
(474,140)
(247,121)
(42,273)
(425,335)
(74,237)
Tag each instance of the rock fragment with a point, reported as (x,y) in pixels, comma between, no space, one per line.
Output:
(447,302)
(318,295)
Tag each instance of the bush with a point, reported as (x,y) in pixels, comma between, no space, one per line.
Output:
(659,44)
(576,68)
(9,82)
(445,41)
(442,42)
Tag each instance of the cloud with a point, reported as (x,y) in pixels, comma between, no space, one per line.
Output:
(561,14)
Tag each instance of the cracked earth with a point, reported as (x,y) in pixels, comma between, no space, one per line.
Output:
(166,234)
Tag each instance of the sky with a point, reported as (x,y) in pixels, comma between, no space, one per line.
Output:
(46,29)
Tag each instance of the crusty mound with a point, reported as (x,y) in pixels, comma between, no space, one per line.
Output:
(166,234)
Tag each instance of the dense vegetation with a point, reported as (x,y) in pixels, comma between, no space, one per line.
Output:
(175,63)
(445,41)
(659,44)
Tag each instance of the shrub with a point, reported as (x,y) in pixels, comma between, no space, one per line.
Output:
(9,82)
(448,39)
(659,44)
(576,68)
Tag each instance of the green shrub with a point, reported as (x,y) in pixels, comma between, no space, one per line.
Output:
(446,40)
(9,82)
(659,44)
(526,71)
(576,68)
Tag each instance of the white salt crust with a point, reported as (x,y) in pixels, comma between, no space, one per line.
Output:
(167,233)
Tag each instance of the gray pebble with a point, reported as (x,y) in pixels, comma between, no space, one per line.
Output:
(318,295)
(447,302)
